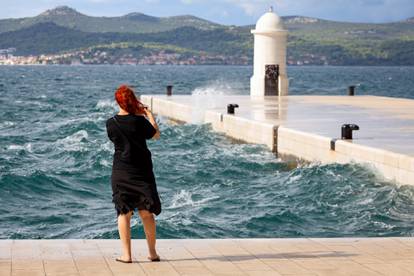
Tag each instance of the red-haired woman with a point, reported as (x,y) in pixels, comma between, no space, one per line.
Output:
(133,181)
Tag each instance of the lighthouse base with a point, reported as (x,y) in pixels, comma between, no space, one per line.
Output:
(261,86)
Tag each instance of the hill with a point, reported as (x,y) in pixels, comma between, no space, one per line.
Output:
(131,23)
(49,38)
(311,40)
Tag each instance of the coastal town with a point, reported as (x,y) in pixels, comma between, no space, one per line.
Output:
(97,57)
(93,56)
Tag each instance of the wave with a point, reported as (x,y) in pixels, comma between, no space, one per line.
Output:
(94,118)
(106,104)
(6,124)
(74,142)
(34,103)
(185,198)
(27,147)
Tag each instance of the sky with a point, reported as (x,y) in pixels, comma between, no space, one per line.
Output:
(229,12)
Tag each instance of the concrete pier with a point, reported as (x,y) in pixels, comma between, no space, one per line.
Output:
(275,257)
(306,126)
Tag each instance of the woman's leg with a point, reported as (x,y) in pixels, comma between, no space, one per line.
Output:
(150,231)
(124,228)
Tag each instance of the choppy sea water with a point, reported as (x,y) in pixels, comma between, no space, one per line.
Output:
(55,160)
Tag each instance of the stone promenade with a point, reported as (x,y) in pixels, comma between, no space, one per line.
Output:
(346,256)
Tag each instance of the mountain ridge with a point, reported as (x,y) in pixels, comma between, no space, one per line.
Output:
(132,22)
(62,11)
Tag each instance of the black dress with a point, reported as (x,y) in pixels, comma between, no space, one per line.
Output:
(133,181)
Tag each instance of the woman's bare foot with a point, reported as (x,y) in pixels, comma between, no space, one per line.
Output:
(154,258)
(124,259)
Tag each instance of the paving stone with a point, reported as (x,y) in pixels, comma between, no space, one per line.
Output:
(306,257)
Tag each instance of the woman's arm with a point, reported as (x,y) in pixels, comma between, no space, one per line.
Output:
(151,118)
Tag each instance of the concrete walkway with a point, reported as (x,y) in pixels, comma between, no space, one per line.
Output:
(386,123)
(353,256)
(309,127)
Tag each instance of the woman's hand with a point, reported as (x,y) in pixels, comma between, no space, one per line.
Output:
(151,118)
(147,112)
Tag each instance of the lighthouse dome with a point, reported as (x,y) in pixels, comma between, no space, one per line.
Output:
(270,21)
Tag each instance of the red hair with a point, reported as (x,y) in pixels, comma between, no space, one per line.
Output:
(127,100)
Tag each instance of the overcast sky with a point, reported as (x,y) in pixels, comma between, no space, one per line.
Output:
(237,12)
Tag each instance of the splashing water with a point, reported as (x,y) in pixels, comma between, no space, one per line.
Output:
(204,98)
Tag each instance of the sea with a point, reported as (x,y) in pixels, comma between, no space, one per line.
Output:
(55,160)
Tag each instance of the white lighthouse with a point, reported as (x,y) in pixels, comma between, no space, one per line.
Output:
(270,39)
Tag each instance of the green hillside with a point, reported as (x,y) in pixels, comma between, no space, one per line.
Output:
(130,23)
(49,38)
(311,40)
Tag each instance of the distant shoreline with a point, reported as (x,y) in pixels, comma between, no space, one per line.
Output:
(186,65)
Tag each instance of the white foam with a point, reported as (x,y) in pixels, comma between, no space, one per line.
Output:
(366,201)
(104,104)
(181,199)
(107,146)
(94,117)
(105,163)
(335,176)
(6,124)
(184,198)
(293,179)
(34,103)
(74,142)
(15,147)
(27,147)
(384,225)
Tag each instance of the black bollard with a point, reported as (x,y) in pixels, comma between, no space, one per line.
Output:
(169,90)
(351,90)
(347,131)
(231,107)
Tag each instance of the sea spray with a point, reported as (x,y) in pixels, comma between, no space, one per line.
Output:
(205,97)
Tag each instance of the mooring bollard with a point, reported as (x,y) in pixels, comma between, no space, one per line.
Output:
(169,90)
(231,107)
(347,131)
(351,90)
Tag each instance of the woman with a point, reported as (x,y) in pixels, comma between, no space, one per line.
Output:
(133,181)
